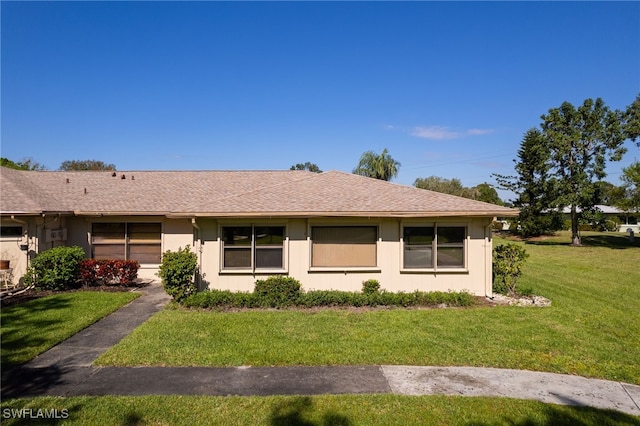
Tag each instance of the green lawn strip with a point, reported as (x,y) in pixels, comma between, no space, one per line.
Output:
(31,328)
(591,330)
(311,410)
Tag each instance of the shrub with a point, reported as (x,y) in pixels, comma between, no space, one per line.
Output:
(55,269)
(220,299)
(370,287)
(94,272)
(277,291)
(224,299)
(177,272)
(508,260)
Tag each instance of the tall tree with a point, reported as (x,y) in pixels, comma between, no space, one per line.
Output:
(379,166)
(534,186)
(25,164)
(312,167)
(86,165)
(631,184)
(580,141)
(632,121)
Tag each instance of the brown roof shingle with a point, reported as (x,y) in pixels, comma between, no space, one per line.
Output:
(226,194)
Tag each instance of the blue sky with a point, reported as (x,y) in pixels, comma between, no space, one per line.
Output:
(449,88)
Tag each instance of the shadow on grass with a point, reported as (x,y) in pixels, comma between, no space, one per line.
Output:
(16,319)
(563,415)
(294,411)
(605,240)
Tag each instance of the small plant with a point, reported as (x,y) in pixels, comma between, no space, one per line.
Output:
(370,287)
(277,291)
(55,269)
(508,260)
(177,272)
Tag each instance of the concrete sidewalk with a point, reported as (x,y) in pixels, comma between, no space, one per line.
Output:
(66,370)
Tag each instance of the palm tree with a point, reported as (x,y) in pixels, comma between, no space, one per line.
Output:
(382,166)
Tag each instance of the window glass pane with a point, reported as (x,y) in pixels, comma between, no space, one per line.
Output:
(145,253)
(237,257)
(236,235)
(108,251)
(269,235)
(449,234)
(418,246)
(144,232)
(269,258)
(343,246)
(107,232)
(11,231)
(450,257)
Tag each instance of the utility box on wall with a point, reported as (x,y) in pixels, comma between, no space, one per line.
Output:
(52,235)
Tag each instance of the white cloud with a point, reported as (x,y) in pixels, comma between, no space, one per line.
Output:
(442,132)
(479,131)
(435,132)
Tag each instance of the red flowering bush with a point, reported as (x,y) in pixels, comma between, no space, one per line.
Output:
(106,271)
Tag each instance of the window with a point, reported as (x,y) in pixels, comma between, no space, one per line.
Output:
(132,241)
(343,246)
(10,231)
(253,247)
(426,246)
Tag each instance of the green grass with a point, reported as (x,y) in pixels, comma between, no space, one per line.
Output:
(31,328)
(315,410)
(591,330)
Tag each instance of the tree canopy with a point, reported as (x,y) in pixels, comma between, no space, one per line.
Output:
(631,185)
(85,165)
(25,164)
(312,167)
(533,185)
(482,192)
(379,166)
(563,163)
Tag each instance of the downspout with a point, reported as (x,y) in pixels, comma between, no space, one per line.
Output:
(198,240)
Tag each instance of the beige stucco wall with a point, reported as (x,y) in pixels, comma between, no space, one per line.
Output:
(203,236)
(175,233)
(476,277)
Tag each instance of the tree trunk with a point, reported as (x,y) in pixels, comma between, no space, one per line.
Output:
(575,237)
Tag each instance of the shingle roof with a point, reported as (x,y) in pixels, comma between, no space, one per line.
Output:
(226,194)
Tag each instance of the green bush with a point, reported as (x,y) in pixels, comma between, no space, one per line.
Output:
(508,260)
(177,272)
(277,291)
(370,287)
(224,299)
(220,299)
(55,269)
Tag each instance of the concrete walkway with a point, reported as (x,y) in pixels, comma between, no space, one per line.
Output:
(67,370)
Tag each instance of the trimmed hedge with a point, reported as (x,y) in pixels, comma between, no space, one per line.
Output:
(106,271)
(225,299)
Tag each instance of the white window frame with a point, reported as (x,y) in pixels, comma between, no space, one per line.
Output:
(435,268)
(253,269)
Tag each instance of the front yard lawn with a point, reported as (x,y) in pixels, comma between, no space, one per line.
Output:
(31,328)
(314,410)
(591,329)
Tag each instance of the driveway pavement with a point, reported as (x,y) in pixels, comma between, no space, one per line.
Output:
(67,370)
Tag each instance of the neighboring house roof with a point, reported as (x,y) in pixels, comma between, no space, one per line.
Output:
(290,193)
(600,207)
